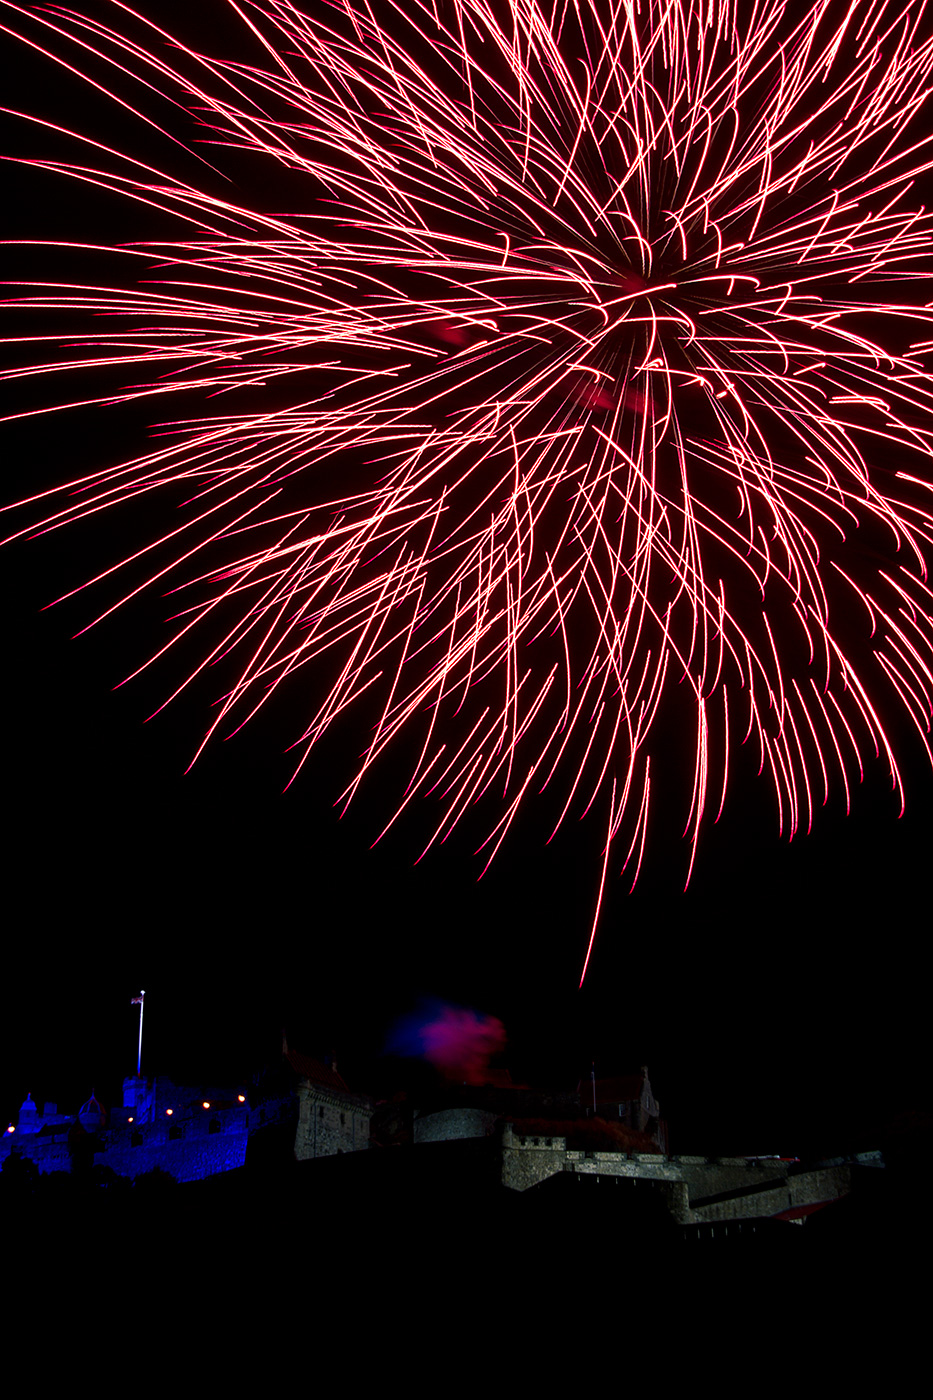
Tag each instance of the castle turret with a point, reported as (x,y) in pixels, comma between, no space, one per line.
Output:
(28,1121)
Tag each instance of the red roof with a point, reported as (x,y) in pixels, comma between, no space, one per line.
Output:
(315,1071)
(801,1212)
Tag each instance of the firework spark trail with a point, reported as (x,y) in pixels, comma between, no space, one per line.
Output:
(613,306)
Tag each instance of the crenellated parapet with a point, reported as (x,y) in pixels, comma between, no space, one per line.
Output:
(698,1190)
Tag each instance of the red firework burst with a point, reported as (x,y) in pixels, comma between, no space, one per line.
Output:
(560,404)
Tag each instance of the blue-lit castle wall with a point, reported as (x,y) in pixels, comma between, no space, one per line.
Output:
(189,1133)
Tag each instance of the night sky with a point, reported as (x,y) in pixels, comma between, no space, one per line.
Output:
(780,1003)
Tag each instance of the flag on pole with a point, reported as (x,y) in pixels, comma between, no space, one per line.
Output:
(140,1002)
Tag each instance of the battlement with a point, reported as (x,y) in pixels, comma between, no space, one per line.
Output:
(700,1189)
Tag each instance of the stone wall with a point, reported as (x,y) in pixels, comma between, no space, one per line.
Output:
(528,1160)
(330,1123)
(789,1193)
(196,1152)
(453,1124)
(698,1189)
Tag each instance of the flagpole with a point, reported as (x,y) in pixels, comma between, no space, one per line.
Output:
(140,1002)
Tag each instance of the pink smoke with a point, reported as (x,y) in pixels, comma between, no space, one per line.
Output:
(458,1042)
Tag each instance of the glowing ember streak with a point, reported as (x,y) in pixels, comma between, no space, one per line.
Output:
(613,316)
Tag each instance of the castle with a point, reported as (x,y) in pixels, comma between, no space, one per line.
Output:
(194,1132)
(518,1138)
(188,1133)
